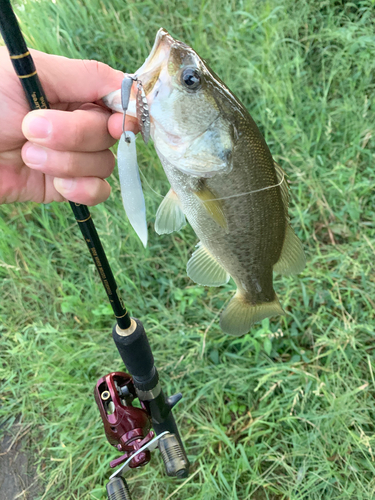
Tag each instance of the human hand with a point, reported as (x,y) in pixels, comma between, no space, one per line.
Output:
(61,153)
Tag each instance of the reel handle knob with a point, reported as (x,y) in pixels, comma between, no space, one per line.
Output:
(175,461)
(118,489)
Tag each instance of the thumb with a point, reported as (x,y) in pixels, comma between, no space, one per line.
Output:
(75,80)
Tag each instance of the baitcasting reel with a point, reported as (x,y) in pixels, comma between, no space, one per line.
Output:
(128,429)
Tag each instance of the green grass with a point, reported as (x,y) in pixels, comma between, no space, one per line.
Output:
(286,412)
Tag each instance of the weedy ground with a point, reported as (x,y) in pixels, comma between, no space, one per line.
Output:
(287,411)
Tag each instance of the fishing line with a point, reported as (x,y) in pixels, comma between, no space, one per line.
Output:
(248,192)
(148,184)
(224,197)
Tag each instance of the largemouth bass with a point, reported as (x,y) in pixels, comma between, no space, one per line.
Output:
(223,179)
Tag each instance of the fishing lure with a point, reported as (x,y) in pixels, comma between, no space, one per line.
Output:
(130,181)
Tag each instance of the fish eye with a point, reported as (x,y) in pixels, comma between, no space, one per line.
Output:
(191,78)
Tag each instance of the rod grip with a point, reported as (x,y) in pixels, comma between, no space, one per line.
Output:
(135,352)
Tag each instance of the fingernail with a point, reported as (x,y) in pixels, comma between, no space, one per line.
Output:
(65,185)
(39,127)
(35,156)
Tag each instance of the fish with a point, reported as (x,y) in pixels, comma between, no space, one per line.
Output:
(223,180)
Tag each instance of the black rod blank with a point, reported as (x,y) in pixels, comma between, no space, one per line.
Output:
(88,229)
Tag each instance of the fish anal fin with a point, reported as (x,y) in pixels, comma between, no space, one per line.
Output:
(240,315)
(292,259)
(212,205)
(204,269)
(169,216)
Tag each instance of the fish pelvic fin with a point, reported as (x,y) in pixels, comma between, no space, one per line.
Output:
(204,269)
(240,315)
(292,258)
(169,216)
(212,205)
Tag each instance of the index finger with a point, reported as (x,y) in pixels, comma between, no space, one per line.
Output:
(75,80)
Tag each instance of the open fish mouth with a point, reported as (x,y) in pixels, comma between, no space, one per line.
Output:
(147,79)
(144,81)
(150,70)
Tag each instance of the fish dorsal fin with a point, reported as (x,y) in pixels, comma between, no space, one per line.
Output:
(204,269)
(292,259)
(212,205)
(210,153)
(169,216)
(281,178)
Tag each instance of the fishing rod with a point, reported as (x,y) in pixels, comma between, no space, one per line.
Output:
(127,428)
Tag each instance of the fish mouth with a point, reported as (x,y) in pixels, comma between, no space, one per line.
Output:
(148,74)
(150,70)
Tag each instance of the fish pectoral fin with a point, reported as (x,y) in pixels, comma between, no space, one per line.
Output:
(169,216)
(204,269)
(292,259)
(240,315)
(213,206)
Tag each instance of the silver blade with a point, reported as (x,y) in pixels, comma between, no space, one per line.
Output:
(143,114)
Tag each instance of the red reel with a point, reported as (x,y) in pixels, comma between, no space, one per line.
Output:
(127,428)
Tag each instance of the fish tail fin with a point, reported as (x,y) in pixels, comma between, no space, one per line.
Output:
(240,315)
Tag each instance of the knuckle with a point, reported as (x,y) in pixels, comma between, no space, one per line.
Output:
(101,68)
(98,70)
(88,131)
(78,135)
(110,162)
(68,165)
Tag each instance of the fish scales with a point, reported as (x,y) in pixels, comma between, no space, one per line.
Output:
(247,248)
